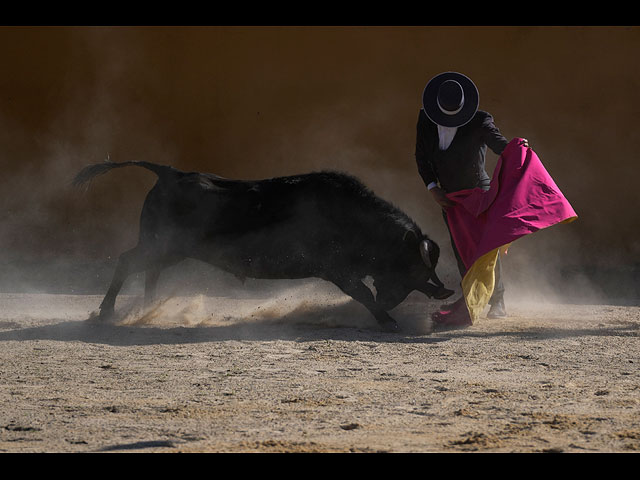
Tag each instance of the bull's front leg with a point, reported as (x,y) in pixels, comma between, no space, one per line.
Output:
(361,293)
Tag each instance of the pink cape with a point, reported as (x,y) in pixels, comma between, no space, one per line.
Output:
(522,199)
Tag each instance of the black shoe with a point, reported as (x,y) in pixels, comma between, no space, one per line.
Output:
(497,310)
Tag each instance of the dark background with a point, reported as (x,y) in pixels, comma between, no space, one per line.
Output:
(257,101)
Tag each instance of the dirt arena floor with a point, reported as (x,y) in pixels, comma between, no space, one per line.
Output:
(307,370)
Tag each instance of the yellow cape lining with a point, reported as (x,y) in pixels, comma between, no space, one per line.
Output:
(479,281)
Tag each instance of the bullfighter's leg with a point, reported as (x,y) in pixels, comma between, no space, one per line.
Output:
(361,293)
(496,301)
(461,268)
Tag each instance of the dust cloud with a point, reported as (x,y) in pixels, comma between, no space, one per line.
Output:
(310,304)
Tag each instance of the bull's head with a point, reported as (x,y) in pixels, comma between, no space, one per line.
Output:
(430,253)
(416,271)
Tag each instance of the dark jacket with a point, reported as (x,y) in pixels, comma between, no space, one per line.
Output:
(461,166)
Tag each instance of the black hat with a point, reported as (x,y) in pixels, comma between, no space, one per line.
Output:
(450,99)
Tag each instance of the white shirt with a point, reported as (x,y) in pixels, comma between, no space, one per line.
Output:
(445,135)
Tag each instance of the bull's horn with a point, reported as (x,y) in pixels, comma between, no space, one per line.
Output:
(424,252)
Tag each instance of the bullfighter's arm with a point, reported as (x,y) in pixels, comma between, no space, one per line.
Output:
(425,168)
(492,136)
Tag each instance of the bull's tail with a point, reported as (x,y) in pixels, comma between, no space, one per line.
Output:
(84,177)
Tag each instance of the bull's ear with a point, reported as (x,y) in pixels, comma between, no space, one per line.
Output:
(410,237)
(424,252)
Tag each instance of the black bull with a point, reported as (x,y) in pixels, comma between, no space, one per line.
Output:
(326,225)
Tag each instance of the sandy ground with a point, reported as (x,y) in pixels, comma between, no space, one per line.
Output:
(307,370)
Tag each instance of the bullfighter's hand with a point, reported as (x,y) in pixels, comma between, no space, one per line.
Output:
(441,198)
(524,142)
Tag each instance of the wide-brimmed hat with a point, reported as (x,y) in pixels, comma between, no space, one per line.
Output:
(450,99)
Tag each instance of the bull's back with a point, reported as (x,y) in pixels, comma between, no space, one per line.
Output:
(291,212)
(210,205)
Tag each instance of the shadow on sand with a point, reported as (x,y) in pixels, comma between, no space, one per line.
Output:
(92,331)
(346,322)
(128,335)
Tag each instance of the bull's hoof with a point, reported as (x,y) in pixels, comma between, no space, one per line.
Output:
(390,326)
(106,314)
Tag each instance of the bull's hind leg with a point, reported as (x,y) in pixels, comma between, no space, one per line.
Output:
(150,285)
(361,293)
(155,265)
(131,261)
